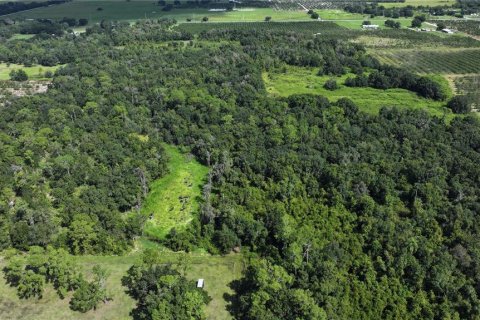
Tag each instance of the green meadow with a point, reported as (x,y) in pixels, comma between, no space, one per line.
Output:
(173,199)
(35,72)
(299,80)
(218,272)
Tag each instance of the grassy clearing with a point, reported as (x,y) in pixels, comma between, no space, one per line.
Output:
(299,80)
(173,199)
(417,3)
(19,36)
(217,271)
(35,72)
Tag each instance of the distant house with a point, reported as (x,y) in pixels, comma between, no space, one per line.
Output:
(370,26)
(449,31)
(200,283)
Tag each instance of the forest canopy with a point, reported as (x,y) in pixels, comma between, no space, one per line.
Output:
(347,215)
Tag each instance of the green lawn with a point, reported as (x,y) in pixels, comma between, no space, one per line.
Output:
(35,72)
(217,271)
(19,36)
(173,199)
(299,80)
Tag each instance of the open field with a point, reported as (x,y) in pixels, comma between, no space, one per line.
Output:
(217,271)
(173,199)
(357,24)
(35,72)
(445,61)
(417,3)
(299,80)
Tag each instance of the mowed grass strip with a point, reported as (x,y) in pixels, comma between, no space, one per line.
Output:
(173,199)
(299,80)
(218,272)
(416,3)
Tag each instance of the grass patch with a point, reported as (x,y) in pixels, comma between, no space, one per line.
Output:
(35,72)
(298,80)
(218,272)
(173,199)
(19,36)
(357,24)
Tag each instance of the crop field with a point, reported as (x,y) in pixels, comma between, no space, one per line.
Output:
(304,80)
(36,72)
(300,26)
(217,271)
(173,199)
(445,61)
(96,11)
(471,27)
(469,85)
(417,3)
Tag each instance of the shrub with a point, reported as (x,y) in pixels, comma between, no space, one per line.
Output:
(331,84)
(460,104)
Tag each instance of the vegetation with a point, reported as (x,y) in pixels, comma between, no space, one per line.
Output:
(173,200)
(339,213)
(458,61)
(163,293)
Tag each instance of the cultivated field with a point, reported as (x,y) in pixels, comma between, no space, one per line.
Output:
(300,26)
(417,3)
(96,11)
(446,61)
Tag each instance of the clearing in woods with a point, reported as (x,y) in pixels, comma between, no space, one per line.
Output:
(173,199)
(296,80)
(218,272)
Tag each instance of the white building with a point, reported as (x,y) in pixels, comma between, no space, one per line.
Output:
(370,26)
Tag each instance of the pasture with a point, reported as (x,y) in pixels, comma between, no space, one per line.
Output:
(173,199)
(218,272)
(298,80)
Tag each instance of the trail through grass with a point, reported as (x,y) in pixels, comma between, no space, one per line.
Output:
(173,199)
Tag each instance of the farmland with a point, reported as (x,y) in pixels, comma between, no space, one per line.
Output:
(310,27)
(458,61)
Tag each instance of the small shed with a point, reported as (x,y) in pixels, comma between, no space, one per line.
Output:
(449,31)
(200,283)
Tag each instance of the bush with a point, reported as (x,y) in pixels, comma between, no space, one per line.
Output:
(268,18)
(331,85)
(205,19)
(314,15)
(18,75)
(460,104)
